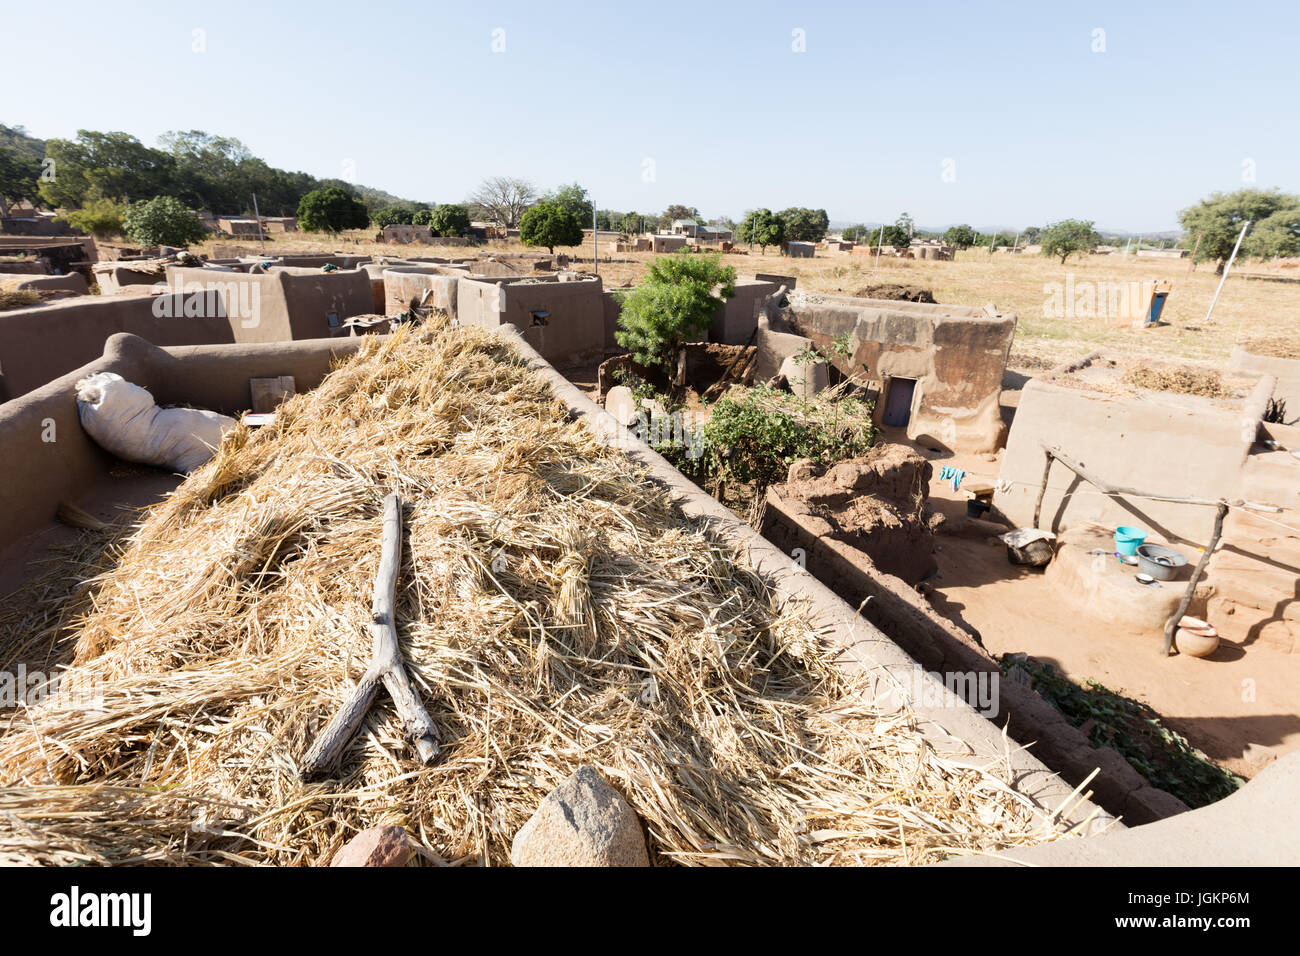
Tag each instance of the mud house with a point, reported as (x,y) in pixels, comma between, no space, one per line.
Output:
(405,234)
(938,368)
(660,243)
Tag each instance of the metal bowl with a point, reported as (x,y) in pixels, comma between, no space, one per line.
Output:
(1160,562)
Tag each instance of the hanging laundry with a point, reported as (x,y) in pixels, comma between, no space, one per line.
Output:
(955,475)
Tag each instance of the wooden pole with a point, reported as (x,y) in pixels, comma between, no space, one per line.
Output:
(1172,624)
(1042,489)
(1192,265)
(385,667)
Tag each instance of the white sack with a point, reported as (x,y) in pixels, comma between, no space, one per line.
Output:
(123,419)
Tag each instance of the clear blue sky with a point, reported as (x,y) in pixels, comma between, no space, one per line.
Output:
(1037,125)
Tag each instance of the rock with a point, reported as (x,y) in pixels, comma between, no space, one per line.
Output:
(582,822)
(802,470)
(805,380)
(620,403)
(377,846)
(851,476)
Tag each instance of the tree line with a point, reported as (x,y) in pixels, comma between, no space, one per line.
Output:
(97,176)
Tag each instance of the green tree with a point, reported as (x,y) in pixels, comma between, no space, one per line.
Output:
(804,225)
(397,214)
(895,236)
(1218,220)
(631,223)
(1067,237)
(549,224)
(110,165)
(162,221)
(674,304)
(959,237)
(762,228)
(18,177)
(1275,235)
(331,210)
(449,219)
(100,217)
(1030,235)
(574,199)
(858,233)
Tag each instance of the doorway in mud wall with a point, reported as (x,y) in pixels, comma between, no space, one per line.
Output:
(898,402)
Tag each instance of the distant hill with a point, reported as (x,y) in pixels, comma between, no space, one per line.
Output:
(220,174)
(17,139)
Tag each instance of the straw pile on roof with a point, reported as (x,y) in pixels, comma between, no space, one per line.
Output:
(554,609)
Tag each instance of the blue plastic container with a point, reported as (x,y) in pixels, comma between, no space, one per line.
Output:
(1127,539)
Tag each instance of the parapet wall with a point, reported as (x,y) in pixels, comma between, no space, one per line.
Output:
(562,318)
(52,459)
(42,342)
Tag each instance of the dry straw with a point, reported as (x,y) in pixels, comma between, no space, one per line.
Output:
(554,608)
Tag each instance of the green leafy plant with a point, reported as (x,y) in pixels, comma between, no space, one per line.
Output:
(755,434)
(674,304)
(1163,756)
(162,221)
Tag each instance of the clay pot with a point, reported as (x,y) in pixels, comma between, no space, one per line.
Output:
(1196,638)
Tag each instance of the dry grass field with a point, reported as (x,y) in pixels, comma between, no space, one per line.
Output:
(1260,302)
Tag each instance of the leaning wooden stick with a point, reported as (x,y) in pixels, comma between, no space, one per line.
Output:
(385,667)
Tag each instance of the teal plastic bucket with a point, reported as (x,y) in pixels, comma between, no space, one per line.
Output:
(1127,539)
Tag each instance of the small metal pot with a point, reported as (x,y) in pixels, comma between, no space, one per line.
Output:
(1160,562)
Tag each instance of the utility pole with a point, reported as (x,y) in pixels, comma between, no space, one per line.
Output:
(595,241)
(879,242)
(1231,259)
(258,216)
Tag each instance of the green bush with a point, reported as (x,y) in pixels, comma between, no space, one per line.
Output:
(755,435)
(99,217)
(163,221)
(674,304)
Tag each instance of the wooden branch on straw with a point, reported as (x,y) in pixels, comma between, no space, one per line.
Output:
(385,667)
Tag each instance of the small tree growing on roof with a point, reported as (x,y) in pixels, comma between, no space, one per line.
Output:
(673,305)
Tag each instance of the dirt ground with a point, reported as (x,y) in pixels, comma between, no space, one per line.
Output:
(1206,700)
